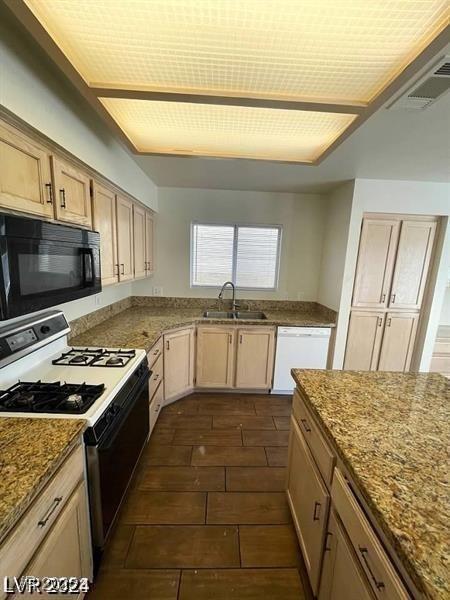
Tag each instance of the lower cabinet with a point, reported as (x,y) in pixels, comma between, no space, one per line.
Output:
(178,363)
(342,577)
(156,382)
(255,357)
(309,500)
(215,357)
(398,341)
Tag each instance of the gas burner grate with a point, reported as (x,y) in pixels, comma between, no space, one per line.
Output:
(95,357)
(57,397)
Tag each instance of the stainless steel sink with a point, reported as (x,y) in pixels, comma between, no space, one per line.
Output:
(218,314)
(254,315)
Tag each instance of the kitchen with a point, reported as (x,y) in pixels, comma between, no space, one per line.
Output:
(159,281)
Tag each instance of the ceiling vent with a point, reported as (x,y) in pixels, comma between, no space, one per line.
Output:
(427,89)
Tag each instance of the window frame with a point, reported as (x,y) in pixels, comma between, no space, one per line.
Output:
(236,227)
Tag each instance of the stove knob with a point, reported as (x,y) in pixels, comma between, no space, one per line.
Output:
(45,329)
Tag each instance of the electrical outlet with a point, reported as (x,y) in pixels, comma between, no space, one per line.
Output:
(157,291)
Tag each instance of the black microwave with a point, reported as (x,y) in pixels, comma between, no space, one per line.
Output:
(44,264)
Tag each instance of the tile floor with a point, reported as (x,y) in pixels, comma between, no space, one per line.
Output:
(206,515)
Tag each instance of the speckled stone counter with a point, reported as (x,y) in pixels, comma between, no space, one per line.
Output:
(141,326)
(392,432)
(31,450)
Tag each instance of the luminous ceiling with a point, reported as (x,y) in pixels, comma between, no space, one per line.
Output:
(339,53)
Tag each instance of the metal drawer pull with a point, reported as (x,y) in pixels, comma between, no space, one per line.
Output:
(364,553)
(50,193)
(156,352)
(56,501)
(380,321)
(168,345)
(123,268)
(305,425)
(328,536)
(156,377)
(383,297)
(230,338)
(62,193)
(389,321)
(392,298)
(316,513)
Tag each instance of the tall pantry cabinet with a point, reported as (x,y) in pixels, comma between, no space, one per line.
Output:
(391,275)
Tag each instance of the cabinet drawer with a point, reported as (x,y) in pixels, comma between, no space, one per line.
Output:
(323,456)
(155,406)
(20,545)
(156,376)
(155,352)
(383,579)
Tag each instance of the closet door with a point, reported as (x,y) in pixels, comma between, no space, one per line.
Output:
(376,257)
(398,341)
(365,333)
(412,264)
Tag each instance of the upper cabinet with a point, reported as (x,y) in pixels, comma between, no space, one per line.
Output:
(125,238)
(104,214)
(149,243)
(140,264)
(25,178)
(375,262)
(72,191)
(411,267)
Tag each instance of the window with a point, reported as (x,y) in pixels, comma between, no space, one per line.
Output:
(247,255)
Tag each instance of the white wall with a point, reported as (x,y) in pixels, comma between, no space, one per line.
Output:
(31,88)
(301,215)
(406,197)
(445,312)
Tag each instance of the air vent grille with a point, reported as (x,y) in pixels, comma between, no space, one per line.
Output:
(444,70)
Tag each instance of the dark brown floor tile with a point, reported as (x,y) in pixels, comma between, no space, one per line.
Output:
(135,585)
(174,421)
(265,438)
(241,584)
(182,479)
(268,546)
(163,508)
(161,436)
(185,406)
(184,547)
(252,508)
(117,546)
(281,423)
(274,407)
(226,406)
(156,454)
(242,422)
(208,438)
(232,456)
(255,479)
(277,457)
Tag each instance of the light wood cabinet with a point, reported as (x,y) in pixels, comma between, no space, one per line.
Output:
(149,243)
(398,341)
(342,577)
(125,243)
(140,265)
(25,178)
(376,258)
(308,499)
(411,267)
(364,338)
(104,214)
(178,363)
(66,550)
(255,355)
(215,356)
(72,192)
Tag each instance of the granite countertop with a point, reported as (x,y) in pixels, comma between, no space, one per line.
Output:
(31,451)
(392,432)
(141,326)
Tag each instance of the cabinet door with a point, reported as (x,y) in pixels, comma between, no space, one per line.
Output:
(365,333)
(255,353)
(104,213)
(342,577)
(125,238)
(412,264)
(376,256)
(398,341)
(149,236)
(66,551)
(178,363)
(72,194)
(309,502)
(25,180)
(139,241)
(215,356)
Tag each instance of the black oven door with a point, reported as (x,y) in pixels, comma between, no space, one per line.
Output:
(40,273)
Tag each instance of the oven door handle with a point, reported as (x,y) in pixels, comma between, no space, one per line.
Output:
(88,266)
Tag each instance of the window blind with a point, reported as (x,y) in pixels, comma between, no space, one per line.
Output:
(212,254)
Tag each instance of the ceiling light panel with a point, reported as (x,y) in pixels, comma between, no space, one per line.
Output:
(322,50)
(226,131)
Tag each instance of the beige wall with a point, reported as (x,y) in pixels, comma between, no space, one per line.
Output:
(301,215)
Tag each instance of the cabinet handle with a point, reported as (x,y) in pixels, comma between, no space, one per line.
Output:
(328,536)
(240,339)
(388,323)
(123,269)
(168,345)
(50,193)
(316,513)
(392,298)
(157,408)
(62,193)
(118,268)
(46,517)
(156,377)
(305,425)
(380,321)
(155,352)
(364,554)
(383,297)
(230,338)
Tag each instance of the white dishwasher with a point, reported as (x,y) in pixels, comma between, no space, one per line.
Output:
(298,348)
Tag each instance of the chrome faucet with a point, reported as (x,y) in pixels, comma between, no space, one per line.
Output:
(234,305)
